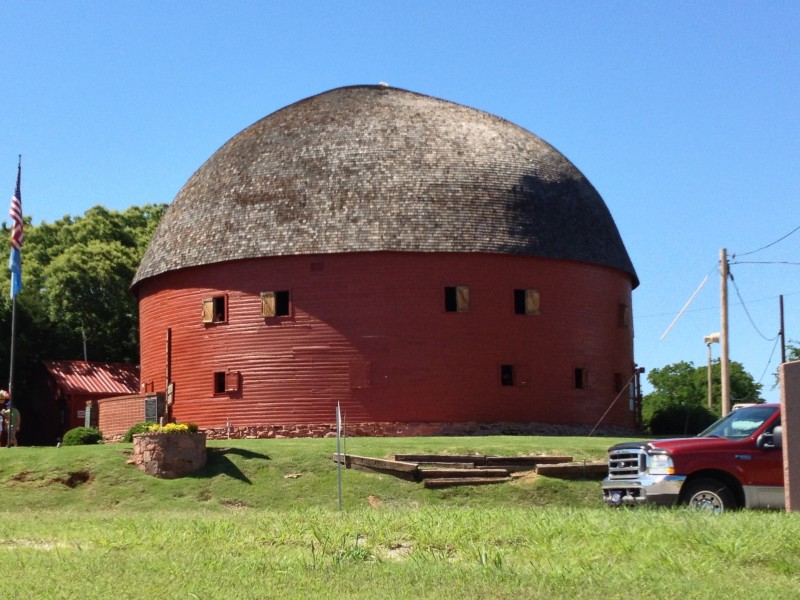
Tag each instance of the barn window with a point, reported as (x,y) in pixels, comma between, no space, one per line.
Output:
(456,298)
(581,379)
(507,375)
(215,309)
(527,302)
(623,315)
(619,385)
(275,304)
(219,382)
(226,382)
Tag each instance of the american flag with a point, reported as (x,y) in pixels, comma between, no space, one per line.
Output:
(17,238)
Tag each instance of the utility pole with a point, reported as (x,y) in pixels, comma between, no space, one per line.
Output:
(709,380)
(724,360)
(783,335)
(710,339)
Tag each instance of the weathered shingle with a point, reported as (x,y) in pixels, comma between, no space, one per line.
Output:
(374,168)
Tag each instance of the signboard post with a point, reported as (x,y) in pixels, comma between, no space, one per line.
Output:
(339,457)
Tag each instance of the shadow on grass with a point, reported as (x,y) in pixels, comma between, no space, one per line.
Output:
(218,463)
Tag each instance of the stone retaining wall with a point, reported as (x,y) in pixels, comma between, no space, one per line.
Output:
(408,429)
(169,455)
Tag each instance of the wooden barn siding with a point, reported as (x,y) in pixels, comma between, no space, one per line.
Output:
(382,316)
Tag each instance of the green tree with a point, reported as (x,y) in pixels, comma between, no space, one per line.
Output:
(792,351)
(77,272)
(792,354)
(76,275)
(680,395)
(87,297)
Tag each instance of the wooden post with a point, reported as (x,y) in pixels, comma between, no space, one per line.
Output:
(710,339)
(790,422)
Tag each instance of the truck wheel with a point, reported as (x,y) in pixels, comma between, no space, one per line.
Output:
(709,494)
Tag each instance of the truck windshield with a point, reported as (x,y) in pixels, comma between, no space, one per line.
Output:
(741,423)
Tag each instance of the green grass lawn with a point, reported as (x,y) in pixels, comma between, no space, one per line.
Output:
(261,521)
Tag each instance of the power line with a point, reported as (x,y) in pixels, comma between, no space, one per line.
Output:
(795,230)
(683,310)
(686,306)
(747,312)
(769,362)
(764,262)
(715,307)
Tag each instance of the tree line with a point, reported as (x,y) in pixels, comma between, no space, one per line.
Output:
(76,301)
(678,404)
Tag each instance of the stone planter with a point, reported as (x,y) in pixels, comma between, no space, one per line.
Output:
(169,455)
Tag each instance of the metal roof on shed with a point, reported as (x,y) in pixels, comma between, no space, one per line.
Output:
(81,377)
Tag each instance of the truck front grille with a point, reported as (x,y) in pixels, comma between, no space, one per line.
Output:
(626,464)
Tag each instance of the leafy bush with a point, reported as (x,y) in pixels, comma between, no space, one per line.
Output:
(82,436)
(137,428)
(681,420)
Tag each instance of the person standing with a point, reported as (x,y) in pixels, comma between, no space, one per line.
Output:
(3,428)
(11,420)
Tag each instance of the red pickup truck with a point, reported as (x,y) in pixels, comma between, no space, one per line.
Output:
(737,462)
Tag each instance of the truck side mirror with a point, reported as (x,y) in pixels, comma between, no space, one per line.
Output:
(773,439)
(777,437)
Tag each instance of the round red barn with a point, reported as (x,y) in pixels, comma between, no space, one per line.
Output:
(412,259)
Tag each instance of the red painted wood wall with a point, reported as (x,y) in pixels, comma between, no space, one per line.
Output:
(77,410)
(370,331)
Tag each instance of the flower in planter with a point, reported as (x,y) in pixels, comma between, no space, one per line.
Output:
(173,428)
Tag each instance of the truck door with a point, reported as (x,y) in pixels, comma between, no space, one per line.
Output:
(762,472)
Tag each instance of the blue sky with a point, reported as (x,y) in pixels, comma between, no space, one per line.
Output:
(684,116)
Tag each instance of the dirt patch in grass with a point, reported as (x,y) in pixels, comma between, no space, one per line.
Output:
(21,477)
(399,551)
(75,478)
(525,476)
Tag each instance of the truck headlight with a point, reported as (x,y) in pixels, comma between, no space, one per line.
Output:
(661,464)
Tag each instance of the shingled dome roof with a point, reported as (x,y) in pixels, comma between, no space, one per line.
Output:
(375,168)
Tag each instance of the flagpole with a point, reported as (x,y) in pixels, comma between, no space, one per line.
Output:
(11,371)
(15,265)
